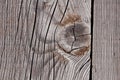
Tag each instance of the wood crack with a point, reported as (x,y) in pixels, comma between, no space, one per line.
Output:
(32,40)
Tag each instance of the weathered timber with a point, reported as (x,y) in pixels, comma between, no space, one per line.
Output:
(45,39)
(106,40)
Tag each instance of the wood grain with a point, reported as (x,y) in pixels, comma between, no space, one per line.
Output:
(106,40)
(33,43)
(16,23)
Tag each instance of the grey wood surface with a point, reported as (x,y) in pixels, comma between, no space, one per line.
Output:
(32,42)
(106,40)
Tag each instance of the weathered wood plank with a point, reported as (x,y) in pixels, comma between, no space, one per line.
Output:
(106,40)
(49,61)
(45,40)
(16,22)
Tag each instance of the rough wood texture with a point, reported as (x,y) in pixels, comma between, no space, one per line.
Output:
(106,40)
(45,40)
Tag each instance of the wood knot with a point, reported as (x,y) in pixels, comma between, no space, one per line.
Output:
(75,39)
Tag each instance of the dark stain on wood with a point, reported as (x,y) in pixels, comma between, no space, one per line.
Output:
(70,19)
(82,51)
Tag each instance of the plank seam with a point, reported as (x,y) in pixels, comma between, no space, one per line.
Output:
(92,24)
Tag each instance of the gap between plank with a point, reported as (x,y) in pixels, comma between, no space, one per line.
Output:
(92,24)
